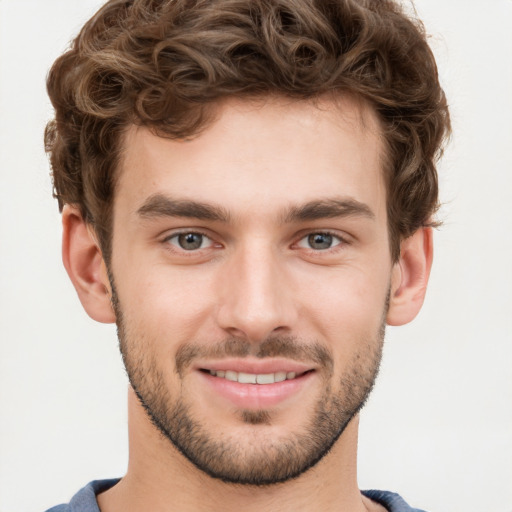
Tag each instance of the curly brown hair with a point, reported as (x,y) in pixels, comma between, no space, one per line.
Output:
(162,63)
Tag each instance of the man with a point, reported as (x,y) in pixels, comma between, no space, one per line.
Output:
(248,191)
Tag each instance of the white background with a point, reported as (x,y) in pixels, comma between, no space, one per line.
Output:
(438,428)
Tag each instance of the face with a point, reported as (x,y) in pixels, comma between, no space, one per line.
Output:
(250,272)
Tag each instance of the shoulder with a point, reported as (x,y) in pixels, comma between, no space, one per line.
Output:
(392,501)
(85,499)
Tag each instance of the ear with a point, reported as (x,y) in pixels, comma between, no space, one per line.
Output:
(410,277)
(84,264)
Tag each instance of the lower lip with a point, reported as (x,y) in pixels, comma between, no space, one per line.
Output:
(257,396)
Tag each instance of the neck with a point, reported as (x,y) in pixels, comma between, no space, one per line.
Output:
(159,478)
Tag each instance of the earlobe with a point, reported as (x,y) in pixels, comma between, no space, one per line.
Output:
(85,266)
(410,277)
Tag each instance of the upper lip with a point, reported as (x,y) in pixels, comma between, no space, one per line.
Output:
(255,366)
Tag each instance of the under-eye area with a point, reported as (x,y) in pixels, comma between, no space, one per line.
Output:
(255,378)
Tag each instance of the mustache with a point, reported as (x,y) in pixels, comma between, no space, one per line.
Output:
(289,347)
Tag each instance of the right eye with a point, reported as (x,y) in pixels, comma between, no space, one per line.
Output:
(190,241)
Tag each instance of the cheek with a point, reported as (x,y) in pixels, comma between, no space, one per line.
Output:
(348,303)
(163,303)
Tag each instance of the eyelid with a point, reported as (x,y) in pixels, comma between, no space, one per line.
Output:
(342,240)
(185,231)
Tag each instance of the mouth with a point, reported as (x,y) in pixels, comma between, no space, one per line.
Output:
(255,378)
(256,385)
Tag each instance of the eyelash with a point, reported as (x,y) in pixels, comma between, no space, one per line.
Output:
(175,248)
(342,241)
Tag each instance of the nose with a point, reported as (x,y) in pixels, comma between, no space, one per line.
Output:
(256,297)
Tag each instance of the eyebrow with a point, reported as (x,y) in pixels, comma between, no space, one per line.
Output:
(328,209)
(159,205)
(162,206)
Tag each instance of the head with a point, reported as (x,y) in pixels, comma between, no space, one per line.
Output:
(256,181)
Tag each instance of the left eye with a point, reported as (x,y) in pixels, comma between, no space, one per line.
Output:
(190,241)
(319,241)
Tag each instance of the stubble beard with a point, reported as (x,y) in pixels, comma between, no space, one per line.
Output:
(251,462)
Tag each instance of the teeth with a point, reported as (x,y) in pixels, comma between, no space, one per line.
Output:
(246,378)
(252,378)
(265,378)
(230,375)
(280,376)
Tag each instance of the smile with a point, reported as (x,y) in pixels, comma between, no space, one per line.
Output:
(257,388)
(254,378)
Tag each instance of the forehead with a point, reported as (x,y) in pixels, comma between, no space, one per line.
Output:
(261,154)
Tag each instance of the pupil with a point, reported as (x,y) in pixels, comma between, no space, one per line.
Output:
(320,241)
(190,241)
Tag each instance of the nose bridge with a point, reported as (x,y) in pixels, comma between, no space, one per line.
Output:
(255,299)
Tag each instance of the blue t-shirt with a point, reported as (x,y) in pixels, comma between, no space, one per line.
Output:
(85,499)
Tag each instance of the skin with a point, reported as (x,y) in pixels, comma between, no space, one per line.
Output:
(255,277)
